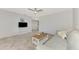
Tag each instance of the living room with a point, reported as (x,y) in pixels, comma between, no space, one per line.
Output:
(20,27)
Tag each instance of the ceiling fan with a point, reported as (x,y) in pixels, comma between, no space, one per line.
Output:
(35,10)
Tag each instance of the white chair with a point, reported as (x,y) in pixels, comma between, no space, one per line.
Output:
(73,40)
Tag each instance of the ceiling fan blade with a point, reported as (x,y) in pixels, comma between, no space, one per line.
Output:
(30,9)
(39,10)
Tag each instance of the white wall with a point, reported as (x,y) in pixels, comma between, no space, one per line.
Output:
(73,38)
(76,18)
(9,24)
(58,21)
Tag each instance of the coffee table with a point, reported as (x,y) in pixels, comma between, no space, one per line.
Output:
(39,38)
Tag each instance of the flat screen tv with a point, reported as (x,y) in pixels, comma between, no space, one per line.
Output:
(22,24)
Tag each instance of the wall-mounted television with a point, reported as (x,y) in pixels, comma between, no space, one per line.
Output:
(22,24)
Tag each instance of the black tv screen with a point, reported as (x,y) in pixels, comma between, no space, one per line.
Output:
(22,24)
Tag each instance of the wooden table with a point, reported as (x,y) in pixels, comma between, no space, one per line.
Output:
(39,38)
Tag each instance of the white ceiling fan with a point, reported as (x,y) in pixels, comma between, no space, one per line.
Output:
(35,10)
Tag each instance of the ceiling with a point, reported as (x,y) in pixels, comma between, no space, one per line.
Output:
(25,11)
